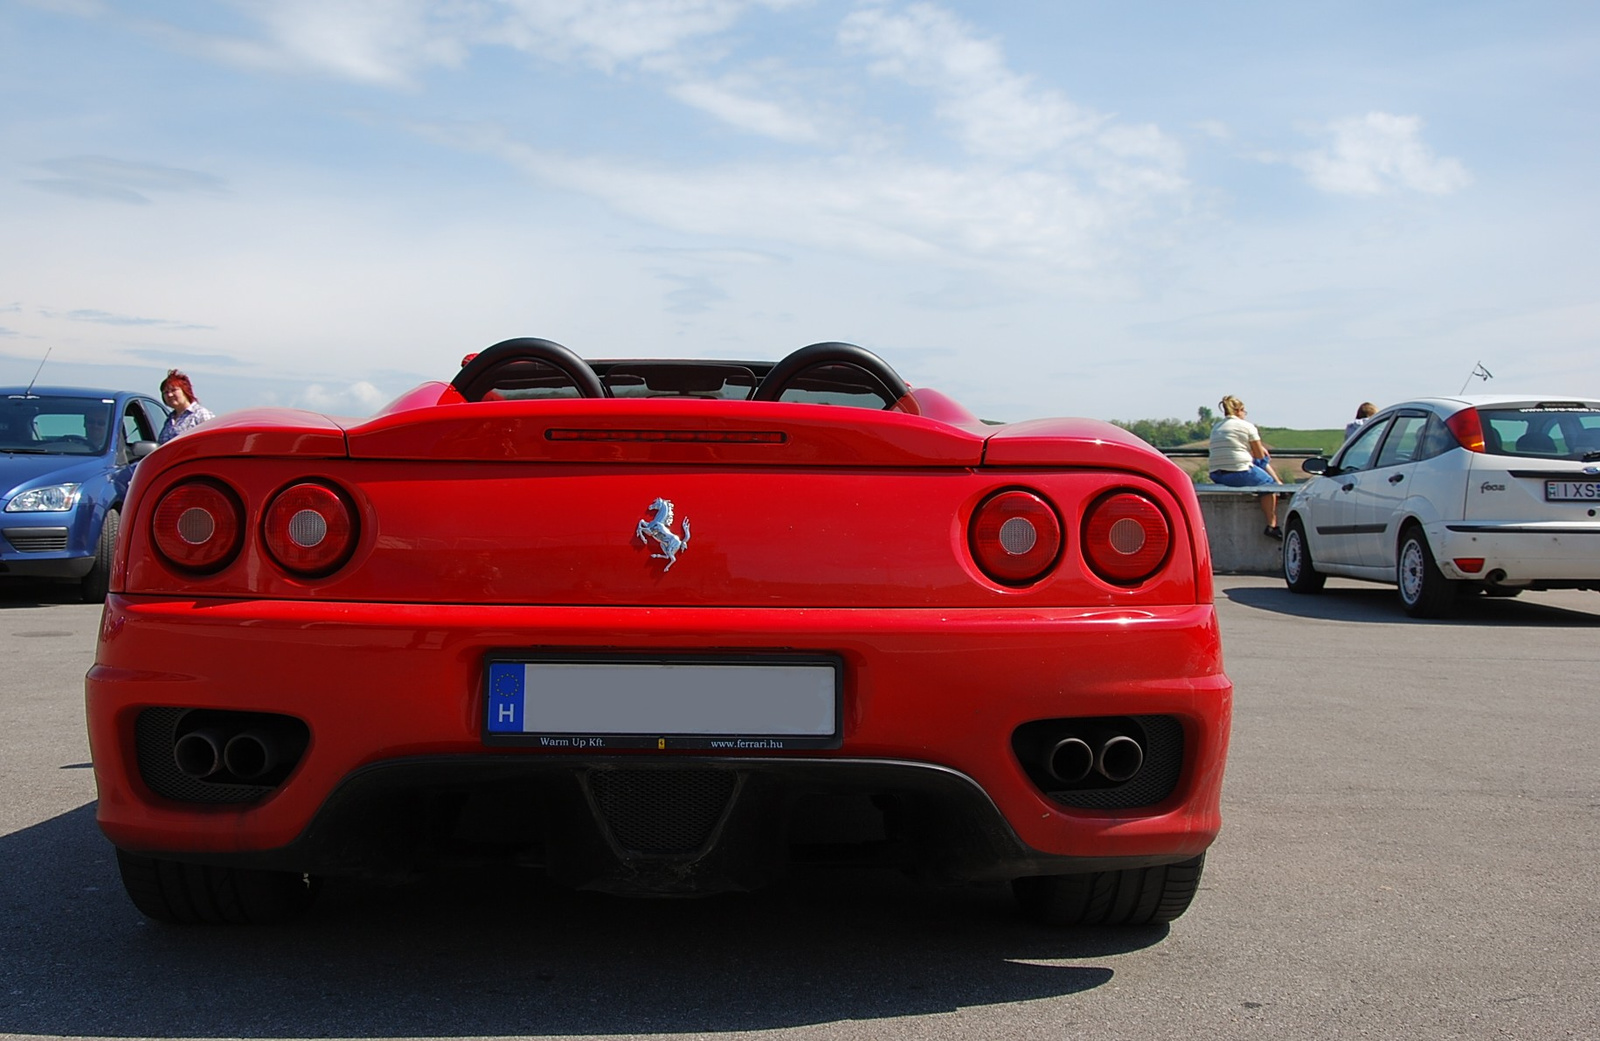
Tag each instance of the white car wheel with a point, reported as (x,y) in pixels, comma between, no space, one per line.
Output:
(1299,571)
(1424,591)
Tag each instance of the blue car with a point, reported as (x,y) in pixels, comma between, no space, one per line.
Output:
(66,457)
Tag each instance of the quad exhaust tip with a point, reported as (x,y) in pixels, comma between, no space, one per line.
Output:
(1116,757)
(1070,760)
(1119,758)
(253,749)
(251,755)
(198,754)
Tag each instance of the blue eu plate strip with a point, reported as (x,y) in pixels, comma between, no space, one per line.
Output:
(505,697)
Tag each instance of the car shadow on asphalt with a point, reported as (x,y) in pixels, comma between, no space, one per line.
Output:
(23,592)
(502,953)
(1377,603)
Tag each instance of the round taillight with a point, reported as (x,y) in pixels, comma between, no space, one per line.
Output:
(198,526)
(1126,538)
(1015,537)
(309,529)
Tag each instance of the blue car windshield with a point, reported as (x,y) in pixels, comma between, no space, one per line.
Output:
(35,425)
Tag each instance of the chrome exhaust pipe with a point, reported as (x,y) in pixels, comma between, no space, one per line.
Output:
(1119,758)
(198,754)
(252,754)
(1070,760)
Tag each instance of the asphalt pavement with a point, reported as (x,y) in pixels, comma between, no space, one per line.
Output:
(1411,850)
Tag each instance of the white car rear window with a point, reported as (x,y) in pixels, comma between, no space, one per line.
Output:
(1560,432)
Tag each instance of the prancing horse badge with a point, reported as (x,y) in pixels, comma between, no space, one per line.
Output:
(660,528)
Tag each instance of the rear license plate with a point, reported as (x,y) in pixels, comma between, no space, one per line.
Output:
(1571,491)
(737,705)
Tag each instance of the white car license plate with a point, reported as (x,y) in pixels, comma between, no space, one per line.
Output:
(740,705)
(1572,491)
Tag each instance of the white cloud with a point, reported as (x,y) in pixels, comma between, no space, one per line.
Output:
(734,105)
(1376,153)
(372,40)
(883,206)
(383,42)
(608,33)
(356,399)
(389,42)
(99,317)
(101,177)
(997,113)
(1074,179)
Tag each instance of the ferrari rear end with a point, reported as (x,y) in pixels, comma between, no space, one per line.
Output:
(674,631)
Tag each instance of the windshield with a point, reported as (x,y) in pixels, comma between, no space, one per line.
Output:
(1551,431)
(54,426)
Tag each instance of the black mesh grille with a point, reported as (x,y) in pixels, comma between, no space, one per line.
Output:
(662,811)
(1163,760)
(154,734)
(37,540)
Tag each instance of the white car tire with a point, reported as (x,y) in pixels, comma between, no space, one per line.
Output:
(1299,570)
(1424,591)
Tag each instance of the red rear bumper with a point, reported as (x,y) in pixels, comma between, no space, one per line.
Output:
(382,684)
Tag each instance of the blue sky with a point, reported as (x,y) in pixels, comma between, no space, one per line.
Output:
(1120,210)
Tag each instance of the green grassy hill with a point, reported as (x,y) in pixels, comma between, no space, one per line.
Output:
(1277,439)
(1287,439)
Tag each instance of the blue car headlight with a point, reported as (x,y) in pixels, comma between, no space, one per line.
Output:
(57,498)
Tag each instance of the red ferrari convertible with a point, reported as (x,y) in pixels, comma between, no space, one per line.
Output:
(660,627)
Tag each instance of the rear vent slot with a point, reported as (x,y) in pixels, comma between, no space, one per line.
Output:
(662,811)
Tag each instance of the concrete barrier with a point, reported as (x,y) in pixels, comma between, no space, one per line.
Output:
(1233,527)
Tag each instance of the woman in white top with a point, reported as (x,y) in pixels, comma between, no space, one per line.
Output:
(187,413)
(1239,459)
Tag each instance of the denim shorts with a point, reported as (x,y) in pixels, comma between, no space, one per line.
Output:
(1257,474)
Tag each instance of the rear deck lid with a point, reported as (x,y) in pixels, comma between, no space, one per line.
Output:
(667,431)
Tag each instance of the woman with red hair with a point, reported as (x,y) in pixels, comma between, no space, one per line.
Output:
(187,412)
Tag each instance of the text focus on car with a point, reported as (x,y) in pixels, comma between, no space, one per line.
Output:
(1452,497)
(660,627)
(66,458)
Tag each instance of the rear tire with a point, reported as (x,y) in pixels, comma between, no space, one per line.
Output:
(1424,591)
(1137,896)
(97,583)
(1299,570)
(197,894)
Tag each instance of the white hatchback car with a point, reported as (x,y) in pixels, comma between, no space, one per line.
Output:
(1449,496)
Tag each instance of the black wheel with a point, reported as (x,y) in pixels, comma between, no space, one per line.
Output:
(1424,591)
(1137,896)
(875,374)
(196,894)
(97,583)
(1299,570)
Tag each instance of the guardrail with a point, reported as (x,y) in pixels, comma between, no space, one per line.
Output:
(1285,453)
